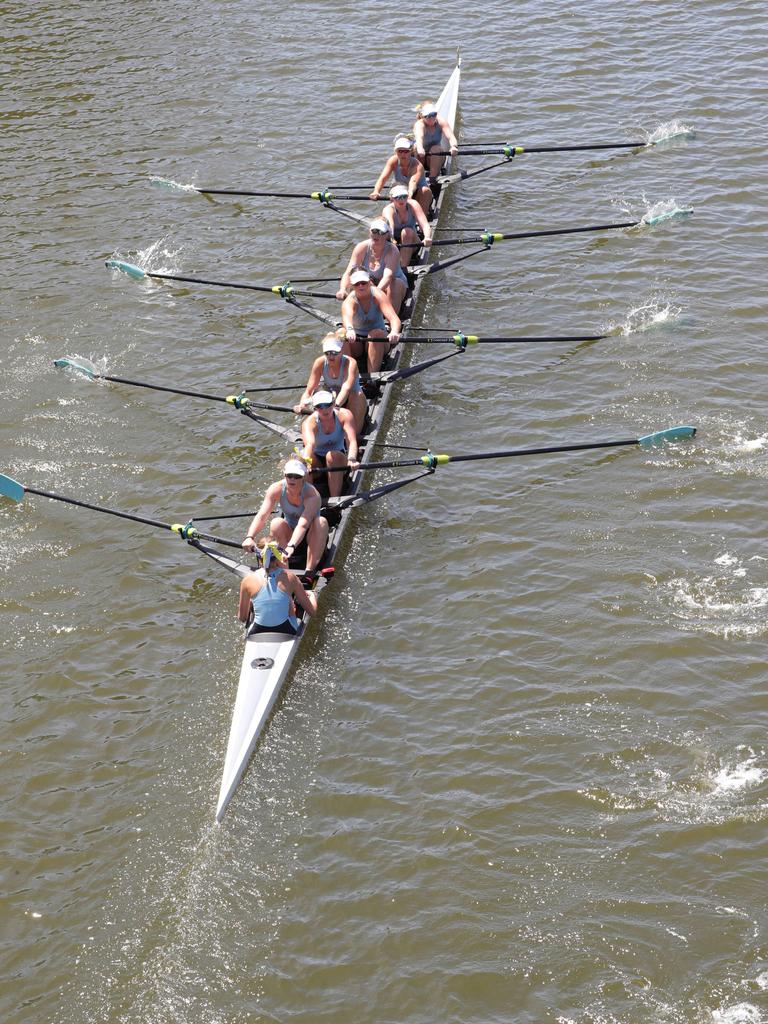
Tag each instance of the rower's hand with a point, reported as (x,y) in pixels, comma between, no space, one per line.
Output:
(393,337)
(353,464)
(300,409)
(341,294)
(454,150)
(374,194)
(427,243)
(350,334)
(248,544)
(420,153)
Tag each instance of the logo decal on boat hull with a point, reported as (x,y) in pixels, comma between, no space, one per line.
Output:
(262,663)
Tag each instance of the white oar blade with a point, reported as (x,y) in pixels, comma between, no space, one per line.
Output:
(10,488)
(662,436)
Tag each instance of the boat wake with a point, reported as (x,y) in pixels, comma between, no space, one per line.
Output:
(671,131)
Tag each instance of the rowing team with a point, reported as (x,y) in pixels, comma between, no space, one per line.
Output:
(372,289)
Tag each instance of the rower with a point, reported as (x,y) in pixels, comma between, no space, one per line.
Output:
(432,133)
(301,528)
(407,222)
(379,255)
(367,309)
(330,439)
(338,373)
(267,595)
(408,170)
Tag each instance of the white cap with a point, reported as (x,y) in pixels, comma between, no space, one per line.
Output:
(403,143)
(397,191)
(359,275)
(379,224)
(332,344)
(295,466)
(428,108)
(322,398)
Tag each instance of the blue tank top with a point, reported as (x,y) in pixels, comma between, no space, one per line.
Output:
(333,442)
(409,222)
(271,606)
(403,179)
(377,274)
(372,320)
(292,513)
(433,137)
(334,383)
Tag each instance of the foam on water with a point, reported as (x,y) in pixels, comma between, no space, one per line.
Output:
(670,131)
(739,1013)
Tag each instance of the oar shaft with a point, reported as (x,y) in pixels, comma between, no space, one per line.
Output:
(496,236)
(132,517)
(162,387)
(285,195)
(235,284)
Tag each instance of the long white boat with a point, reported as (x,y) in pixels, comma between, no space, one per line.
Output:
(268,657)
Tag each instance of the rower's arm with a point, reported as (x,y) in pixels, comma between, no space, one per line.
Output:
(308,601)
(259,520)
(311,511)
(348,424)
(389,314)
(421,219)
(347,384)
(308,429)
(344,282)
(448,133)
(348,312)
(383,178)
(244,607)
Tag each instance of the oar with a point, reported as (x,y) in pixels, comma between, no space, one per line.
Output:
(432,461)
(506,149)
(462,340)
(10,488)
(487,238)
(322,195)
(283,290)
(237,400)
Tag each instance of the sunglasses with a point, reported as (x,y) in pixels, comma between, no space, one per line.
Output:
(428,117)
(323,405)
(378,231)
(293,476)
(333,355)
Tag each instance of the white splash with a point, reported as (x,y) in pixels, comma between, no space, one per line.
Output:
(747,444)
(739,776)
(169,185)
(669,130)
(665,209)
(653,313)
(739,1013)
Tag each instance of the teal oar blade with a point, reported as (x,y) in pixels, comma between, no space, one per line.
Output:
(670,434)
(10,488)
(71,364)
(127,268)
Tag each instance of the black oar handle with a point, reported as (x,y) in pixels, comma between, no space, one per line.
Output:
(489,237)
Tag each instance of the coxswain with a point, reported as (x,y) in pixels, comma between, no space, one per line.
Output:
(338,373)
(330,439)
(268,596)
(408,223)
(379,255)
(433,134)
(408,170)
(366,310)
(301,526)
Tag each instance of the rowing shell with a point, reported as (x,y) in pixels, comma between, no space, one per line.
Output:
(268,656)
